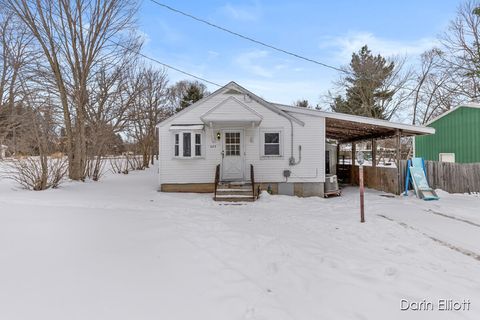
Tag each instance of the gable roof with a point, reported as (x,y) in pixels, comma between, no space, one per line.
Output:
(465,105)
(339,126)
(216,114)
(236,87)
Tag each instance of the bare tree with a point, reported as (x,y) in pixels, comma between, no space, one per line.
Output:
(434,92)
(76,37)
(15,55)
(38,171)
(461,51)
(151,106)
(108,113)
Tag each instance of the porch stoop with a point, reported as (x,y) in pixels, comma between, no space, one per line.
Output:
(238,192)
(234,192)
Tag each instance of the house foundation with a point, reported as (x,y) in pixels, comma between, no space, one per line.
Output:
(299,189)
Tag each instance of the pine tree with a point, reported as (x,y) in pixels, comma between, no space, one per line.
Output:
(366,92)
(192,94)
(302,103)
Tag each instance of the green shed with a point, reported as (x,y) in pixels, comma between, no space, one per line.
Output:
(456,138)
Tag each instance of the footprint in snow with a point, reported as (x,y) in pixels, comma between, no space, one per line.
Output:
(250,313)
(391,271)
(272,268)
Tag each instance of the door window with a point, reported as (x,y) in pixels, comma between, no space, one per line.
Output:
(232,143)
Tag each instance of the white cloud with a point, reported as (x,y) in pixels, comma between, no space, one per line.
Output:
(212,54)
(353,41)
(144,37)
(250,12)
(249,61)
(168,33)
(280,66)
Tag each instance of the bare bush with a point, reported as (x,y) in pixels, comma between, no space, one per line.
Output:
(126,164)
(95,168)
(36,173)
(118,165)
(135,162)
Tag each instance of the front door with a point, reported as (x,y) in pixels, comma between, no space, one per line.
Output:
(232,155)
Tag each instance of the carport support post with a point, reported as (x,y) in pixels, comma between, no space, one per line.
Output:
(352,167)
(399,156)
(362,191)
(337,157)
(374,154)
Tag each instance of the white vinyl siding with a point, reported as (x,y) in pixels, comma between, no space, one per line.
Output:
(267,168)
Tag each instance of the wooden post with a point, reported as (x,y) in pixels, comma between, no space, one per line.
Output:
(352,167)
(399,157)
(337,157)
(362,191)
(374,153)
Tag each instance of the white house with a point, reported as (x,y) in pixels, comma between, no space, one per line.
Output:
(283,146)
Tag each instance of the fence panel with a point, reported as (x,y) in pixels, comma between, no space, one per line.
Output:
(453,177)
(450,177)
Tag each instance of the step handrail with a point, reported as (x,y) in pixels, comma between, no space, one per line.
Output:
(252,180)
(217,180)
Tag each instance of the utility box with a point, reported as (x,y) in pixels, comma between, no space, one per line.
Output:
(331,185)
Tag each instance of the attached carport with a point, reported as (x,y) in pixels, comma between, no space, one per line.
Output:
(350,129)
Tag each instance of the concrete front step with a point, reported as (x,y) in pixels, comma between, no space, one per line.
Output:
(234,198)
(247,192)
(235,184)
(234,192)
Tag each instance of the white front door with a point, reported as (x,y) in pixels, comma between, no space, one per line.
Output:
(232,155)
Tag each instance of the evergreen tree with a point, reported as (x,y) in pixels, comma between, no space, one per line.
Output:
(302,103)
(366,91)
(192,94)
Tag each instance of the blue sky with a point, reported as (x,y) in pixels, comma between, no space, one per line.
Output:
(328,31)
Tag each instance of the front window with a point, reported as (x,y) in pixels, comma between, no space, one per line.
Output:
(271,144)
(177,144)
(198,144)
(188,144)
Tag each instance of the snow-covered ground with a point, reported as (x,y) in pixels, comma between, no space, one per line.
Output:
(117,249)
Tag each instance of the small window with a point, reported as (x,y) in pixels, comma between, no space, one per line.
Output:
(271,144)
(187,144)
(446,157)
(198,144)
(177,144)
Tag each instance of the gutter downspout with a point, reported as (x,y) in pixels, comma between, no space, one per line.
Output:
(291,160)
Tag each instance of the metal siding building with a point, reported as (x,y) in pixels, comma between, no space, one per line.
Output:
(457,131)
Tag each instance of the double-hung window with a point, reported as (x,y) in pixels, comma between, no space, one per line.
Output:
(188,144)
(198,145)
(177,144)
(271,143)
